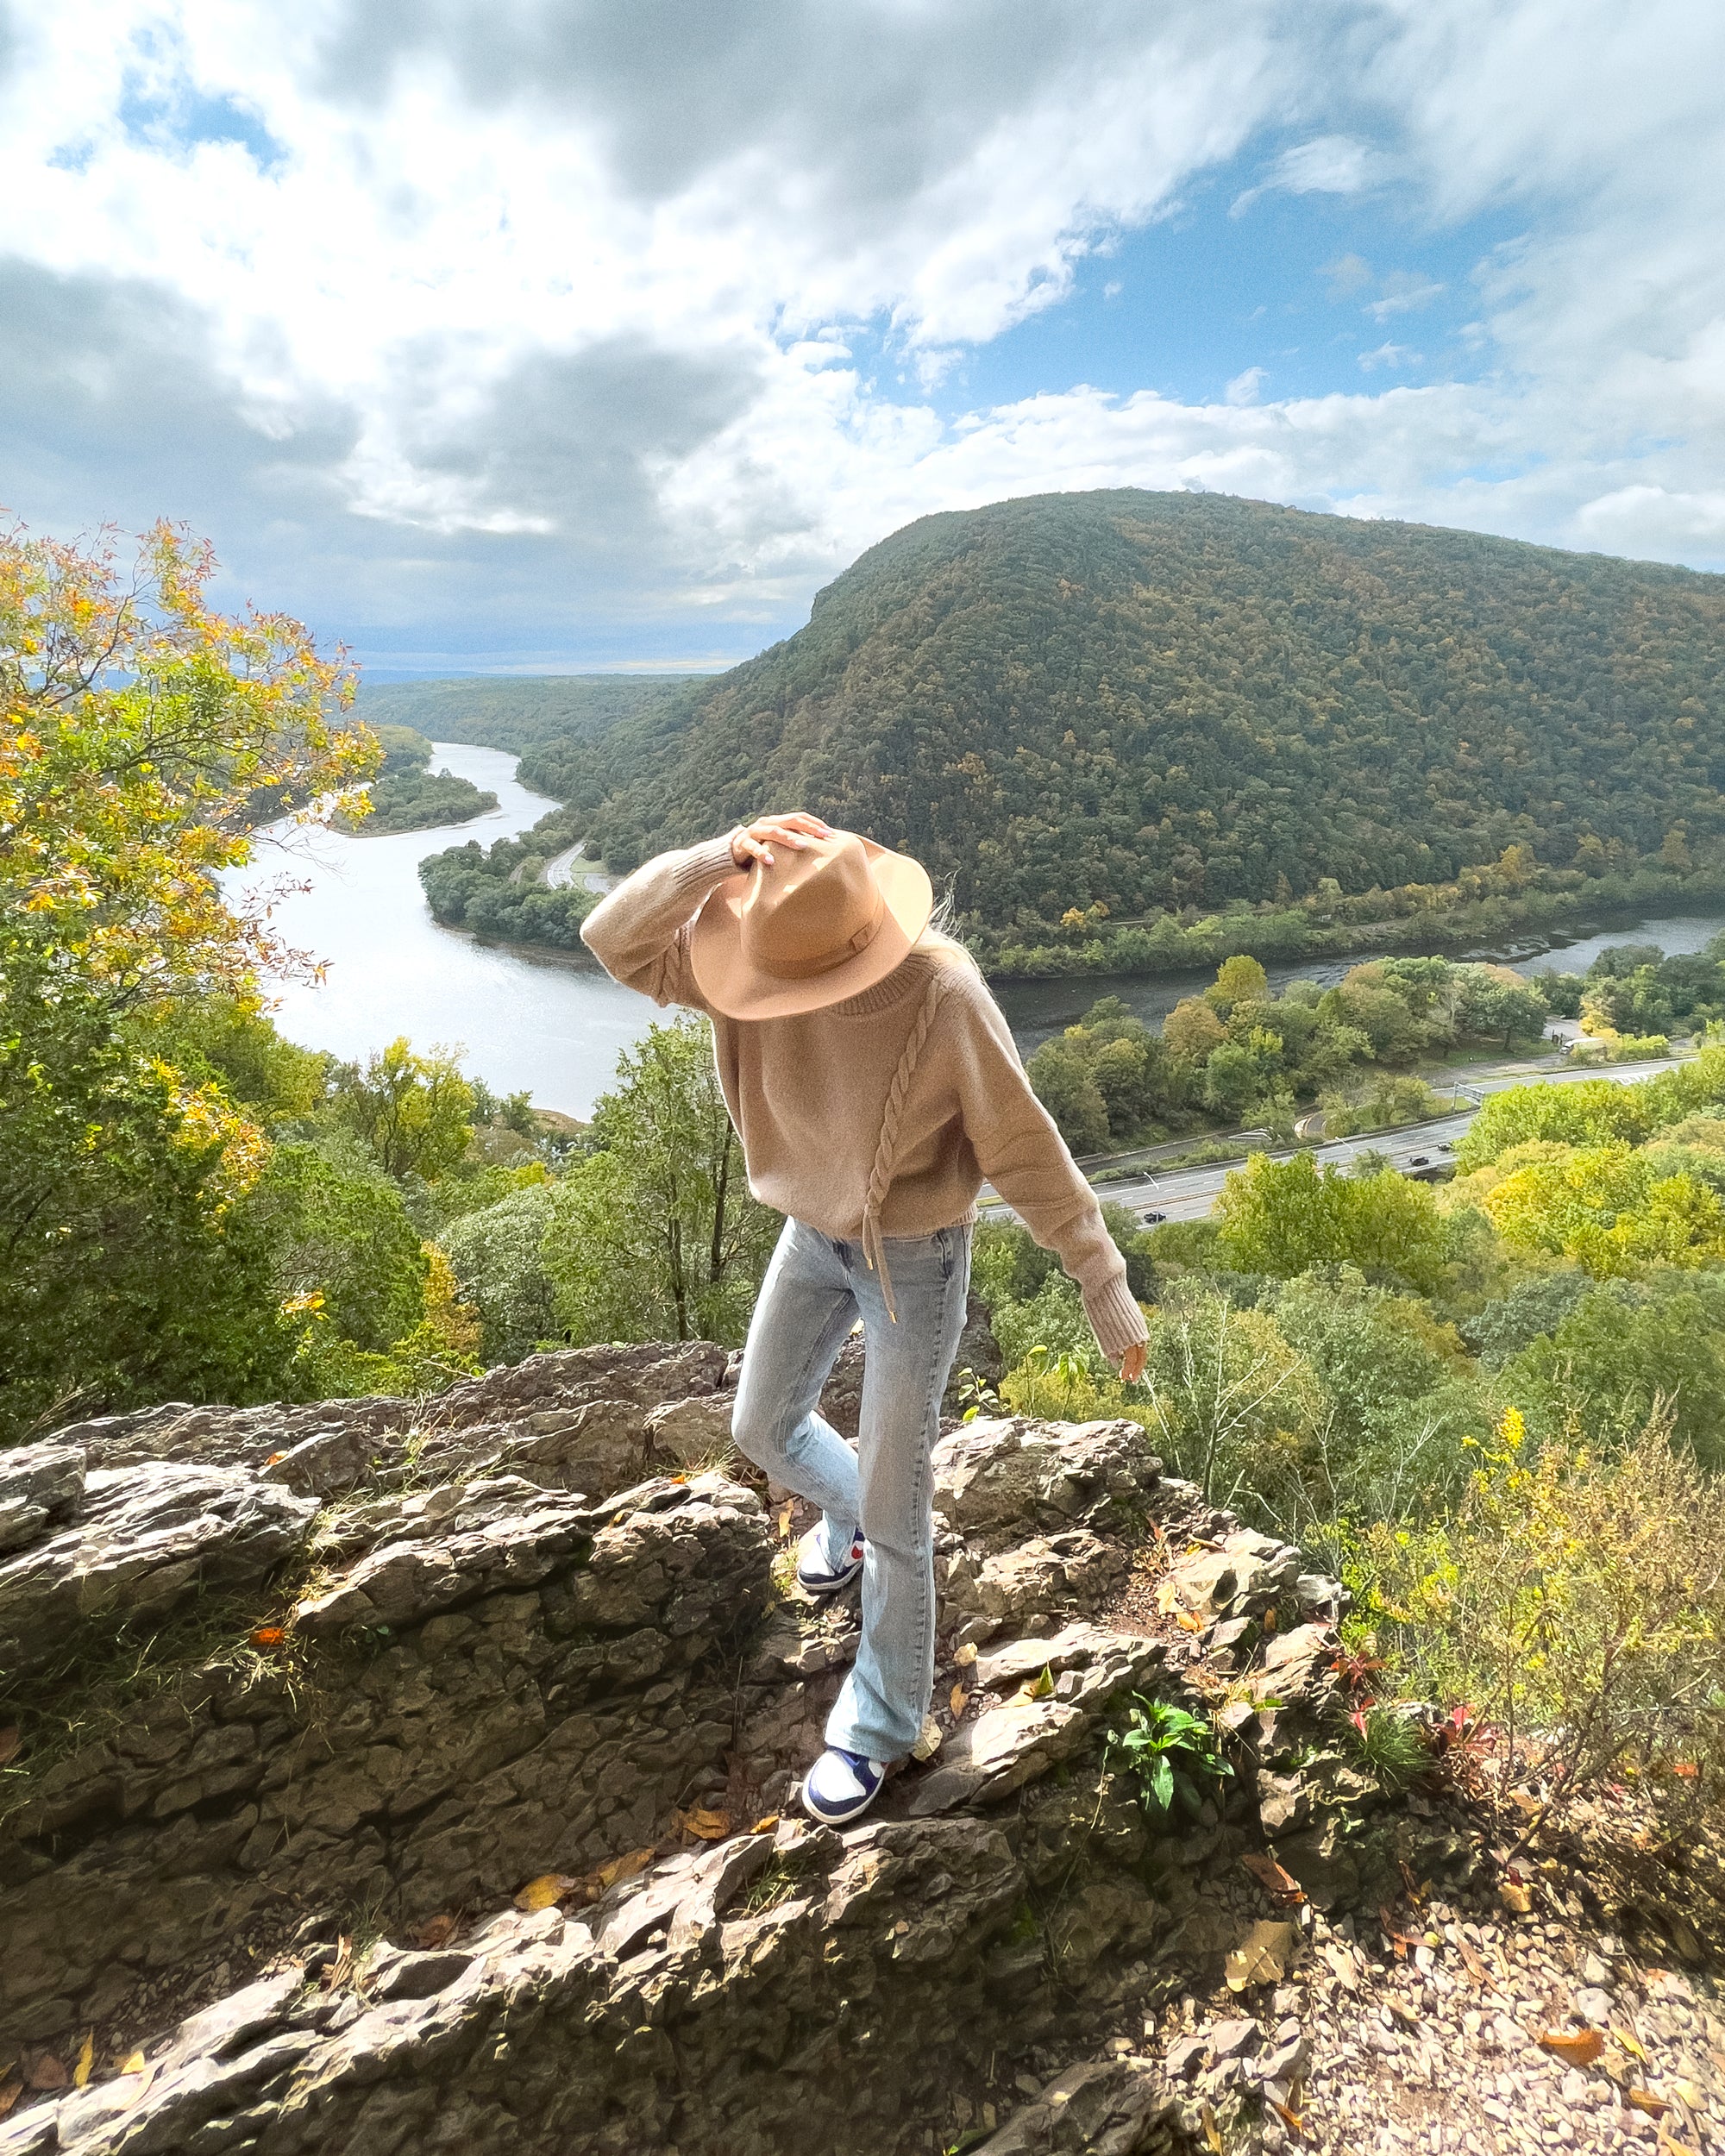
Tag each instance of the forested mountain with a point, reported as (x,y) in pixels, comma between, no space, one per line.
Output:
(1149,702)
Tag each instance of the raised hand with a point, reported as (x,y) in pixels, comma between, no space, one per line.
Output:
(792,830)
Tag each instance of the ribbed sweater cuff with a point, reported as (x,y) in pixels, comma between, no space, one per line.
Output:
(1115,1319)
(706,865)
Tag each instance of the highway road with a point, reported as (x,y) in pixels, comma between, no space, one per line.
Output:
(1190,1193)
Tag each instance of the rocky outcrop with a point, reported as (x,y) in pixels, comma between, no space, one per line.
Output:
(471,1678)
(581,1420)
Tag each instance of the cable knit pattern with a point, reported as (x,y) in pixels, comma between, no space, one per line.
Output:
(878,1117)
(880,1174)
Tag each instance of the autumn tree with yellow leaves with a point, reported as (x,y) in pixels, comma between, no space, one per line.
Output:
(144,739)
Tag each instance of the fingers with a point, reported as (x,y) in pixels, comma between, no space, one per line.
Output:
(1132,1364)
(792,830)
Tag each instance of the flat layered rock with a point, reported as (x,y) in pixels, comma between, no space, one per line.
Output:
(1013,1476)
(142,1540)
(38,1484)
(993,1754)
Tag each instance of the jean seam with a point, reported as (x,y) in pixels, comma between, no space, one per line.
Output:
(926,1436)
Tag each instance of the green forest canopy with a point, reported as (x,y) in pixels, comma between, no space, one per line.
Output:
(515,714)
(1147,701)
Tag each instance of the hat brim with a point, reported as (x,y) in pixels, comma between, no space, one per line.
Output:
(739,989)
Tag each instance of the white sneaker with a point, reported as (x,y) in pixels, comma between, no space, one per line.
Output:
(841,1786)
(816,1572)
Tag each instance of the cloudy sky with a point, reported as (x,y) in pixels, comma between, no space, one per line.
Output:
(541,334)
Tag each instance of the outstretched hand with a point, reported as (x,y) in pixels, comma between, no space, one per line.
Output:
(1132,1364)
(791,830)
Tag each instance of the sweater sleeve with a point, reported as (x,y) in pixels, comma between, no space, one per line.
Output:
(639,931)
(1023,1155)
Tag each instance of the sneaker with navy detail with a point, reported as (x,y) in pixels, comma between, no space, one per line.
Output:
(816,1572)
(841,1786)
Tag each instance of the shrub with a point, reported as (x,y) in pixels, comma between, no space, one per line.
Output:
(1575,1604)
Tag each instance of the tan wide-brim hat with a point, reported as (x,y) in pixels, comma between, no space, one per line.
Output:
(825,922)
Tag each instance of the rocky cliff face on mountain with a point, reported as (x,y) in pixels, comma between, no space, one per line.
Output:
(388,1774)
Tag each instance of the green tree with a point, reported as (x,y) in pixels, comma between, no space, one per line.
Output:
(1193,1029)
(1492,1003)
(1283,1217)
(414,1112)
(125,1275)
(1606,1208)
(654,1235)
(498,1258)
(1630,1348)
(1589,1112)
(340,1244)
(1064,1080)
(1239,1074)
(1240,979)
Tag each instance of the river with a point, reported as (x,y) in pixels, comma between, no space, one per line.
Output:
(555,1025)
(551,1024)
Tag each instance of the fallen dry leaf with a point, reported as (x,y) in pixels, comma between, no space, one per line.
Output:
(1270,1626)
(929,1742)
(1189,1621)
(1342,1963)
(134,2065)
(273,1457)
(10,2090)
(959,1702)
(1039,1687)
(268,1636)
(9,1741)
(765,1825)
(548,1888)
(705,1825)
(965,1655)
(86,2059)
(1291,2119)
(624,1867)
(1416,1893)
(48,2072)
(334,1975)
(1261,1956)
(1645,2101)
(1476,1968)
(1578,2046)
(1514,1897)
(1621,2036)
(435,1931)
(784,1517)
(1400,1939)
(1270,1875)
(1212,2132)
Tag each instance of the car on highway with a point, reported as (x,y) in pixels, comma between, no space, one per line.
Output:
(1421,1160)
(1151,1220)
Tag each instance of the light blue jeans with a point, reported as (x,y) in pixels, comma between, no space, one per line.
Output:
(815,1290)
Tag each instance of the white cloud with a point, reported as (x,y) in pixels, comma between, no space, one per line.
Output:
(1400,357)
(521,312)
(1403,292)
(1328,165)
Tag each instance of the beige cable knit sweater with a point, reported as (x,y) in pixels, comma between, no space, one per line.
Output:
(881,1115)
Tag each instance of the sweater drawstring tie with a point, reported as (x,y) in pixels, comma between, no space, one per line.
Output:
(886,1152)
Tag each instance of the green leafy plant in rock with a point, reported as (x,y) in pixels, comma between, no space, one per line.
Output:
(1171,1757)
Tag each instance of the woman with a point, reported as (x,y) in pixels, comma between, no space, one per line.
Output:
(873,1084)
